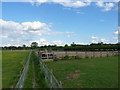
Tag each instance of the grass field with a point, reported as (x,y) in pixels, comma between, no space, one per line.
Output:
(86,73)
(12,65)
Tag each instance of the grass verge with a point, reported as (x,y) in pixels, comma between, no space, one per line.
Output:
(35,76)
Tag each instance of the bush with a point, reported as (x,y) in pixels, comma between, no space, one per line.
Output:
(86,56)
(77,57)
(55,59)
(66,57)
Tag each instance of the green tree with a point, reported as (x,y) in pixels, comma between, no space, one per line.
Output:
(24,45)
(34,44)
(66,45)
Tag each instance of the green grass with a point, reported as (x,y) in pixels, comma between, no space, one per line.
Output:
(86,73)
(38,79)
(29,77)
(0,69)
(12,66)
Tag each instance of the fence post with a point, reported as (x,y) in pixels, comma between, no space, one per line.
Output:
(60,83)
(100,53)
(85,54)
(93,54)
(66,53)
(76,53)
(113,53)
(107,53)
(51,80)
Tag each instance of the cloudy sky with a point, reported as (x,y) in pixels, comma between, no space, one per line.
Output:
(58,22)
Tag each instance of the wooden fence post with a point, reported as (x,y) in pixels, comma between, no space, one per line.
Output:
(100,53)
(66,53)
(60,83)
(93,54)
(113,53)
(51,80)
(85,54)
(76,53)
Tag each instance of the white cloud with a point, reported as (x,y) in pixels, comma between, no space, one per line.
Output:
(82,43)
(43,41)
(57,32)
(17,30)
(114,39)
(78,12)
(75,4)
(100,3)
(14,29)
(25,32)
(94,41)
(118,31)
(99,39)
(1,37)
(94,37)
(38,2)
(65,3)
(58,42)
(15,40)
(106,6)
(57,0)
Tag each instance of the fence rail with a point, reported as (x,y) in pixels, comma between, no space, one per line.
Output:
(20,82)
(49,77)
(83,54)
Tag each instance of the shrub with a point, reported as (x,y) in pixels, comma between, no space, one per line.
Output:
(77,57)
(86,56)
(66,57)
(55,59)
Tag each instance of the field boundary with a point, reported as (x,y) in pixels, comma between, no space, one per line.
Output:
(49,77)
(21,80)
(84,54)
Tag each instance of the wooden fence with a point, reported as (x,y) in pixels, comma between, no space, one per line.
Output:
(21,80)
(83,54)
(49,77)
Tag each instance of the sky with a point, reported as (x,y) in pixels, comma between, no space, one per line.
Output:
(58,22)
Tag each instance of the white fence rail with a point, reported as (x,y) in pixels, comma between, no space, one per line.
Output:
(20,82)
(83,54)
(49,77)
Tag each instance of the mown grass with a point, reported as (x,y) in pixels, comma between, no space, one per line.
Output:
(12,66)
(38,80)
(86,73)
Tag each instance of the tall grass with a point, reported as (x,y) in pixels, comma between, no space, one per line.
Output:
(38,80)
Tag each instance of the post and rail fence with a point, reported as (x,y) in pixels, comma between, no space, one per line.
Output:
(84,54)
(49,77)
(21,80)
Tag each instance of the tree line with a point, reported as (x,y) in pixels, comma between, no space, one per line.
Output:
(73,47)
